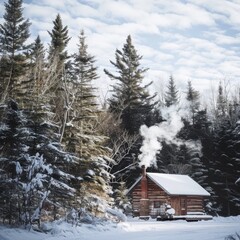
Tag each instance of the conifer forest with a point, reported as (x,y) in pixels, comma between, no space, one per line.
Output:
(62,151)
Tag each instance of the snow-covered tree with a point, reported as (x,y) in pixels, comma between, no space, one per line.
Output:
(225,165)
(81,117)
(82,136)
(121,199)
(33,167)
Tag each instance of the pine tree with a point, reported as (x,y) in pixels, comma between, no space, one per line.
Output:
(171,96)
(192,94)
(81,134)
(33,83)
(193,99)
(33,166)
(14,33)
(226,163)
(130,100)
(59,40)
(82,103)
(57,64)
(173,159)
(220,154)
(38,65)
(40,84)
(221,102)
(82,114)
(121,198)
(221,109)
(132,104)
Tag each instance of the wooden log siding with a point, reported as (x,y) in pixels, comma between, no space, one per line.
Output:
(155,194)
(181,204)
(136,196)
(195,204)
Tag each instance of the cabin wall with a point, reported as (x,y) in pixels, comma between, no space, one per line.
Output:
(195,204)
(156,197)
(136,196)
(187,204)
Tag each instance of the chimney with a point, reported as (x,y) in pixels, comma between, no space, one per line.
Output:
(144,201)
(144,187)
(144,173)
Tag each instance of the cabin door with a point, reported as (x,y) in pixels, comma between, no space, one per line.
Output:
(175,204)
(183,205)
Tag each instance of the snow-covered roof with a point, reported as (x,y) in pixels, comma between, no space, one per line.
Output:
(175,184)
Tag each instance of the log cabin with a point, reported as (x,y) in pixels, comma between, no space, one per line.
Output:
(152,191)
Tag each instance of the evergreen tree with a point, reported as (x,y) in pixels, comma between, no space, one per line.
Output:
(173,159)
(130,101)
(82,103)
(59,40)
(221,102)
(13,35)
(38,67)
(225,165)
(193,99)
(33,166)
(192,94)
(34,82)
(223,154)
(37,57)
(57,64)
(171,96)
(221,111)
(81,134)
(121,198)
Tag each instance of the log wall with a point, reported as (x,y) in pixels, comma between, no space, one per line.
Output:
(195,204)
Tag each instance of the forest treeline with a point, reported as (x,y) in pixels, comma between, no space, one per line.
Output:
(60,150)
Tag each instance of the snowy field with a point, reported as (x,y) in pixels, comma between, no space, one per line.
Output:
(133,229)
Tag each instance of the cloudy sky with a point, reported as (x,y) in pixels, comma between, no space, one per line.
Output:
(197,40)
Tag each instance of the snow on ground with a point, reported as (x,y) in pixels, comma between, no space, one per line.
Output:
(133,229)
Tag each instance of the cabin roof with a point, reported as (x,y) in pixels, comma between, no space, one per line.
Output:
(175,184)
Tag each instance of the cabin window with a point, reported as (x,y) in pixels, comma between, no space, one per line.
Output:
(157,204)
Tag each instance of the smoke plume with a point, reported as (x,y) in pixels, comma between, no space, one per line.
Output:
(167,131)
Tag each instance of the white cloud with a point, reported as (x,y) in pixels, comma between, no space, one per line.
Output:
(194,15)
(228,8)
(39,13)
(222,39)
(195,40)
